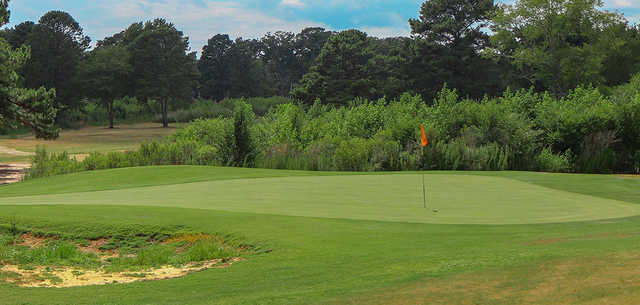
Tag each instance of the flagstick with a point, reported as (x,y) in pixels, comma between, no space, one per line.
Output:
(425,142)
(424,192)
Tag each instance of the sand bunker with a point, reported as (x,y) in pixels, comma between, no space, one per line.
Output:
(74,276)
(61,277)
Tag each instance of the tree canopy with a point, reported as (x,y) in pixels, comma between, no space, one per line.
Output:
(475,47)
(105,75)
(57,46)
(20,106)
(163,67)
(556,45)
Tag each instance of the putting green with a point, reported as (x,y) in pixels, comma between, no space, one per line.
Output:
(458,199)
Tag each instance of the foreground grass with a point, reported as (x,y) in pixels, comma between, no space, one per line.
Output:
(612,279)
(348,261)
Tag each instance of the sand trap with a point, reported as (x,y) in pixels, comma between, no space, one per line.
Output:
(62,277)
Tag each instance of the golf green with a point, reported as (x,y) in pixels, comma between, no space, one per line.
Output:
(452,199)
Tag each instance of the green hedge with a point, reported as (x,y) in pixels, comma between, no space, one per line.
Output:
(585,131)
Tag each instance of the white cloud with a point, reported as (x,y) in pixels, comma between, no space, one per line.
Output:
(634,19)
(201,22)
(383,32)
(622,3)
(295,3)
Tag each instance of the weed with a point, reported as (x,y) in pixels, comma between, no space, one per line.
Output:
(8,275)
(13,226)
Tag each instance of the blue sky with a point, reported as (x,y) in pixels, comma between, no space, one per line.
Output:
(201,19)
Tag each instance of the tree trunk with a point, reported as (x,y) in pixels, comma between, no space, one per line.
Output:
(111,115)
(165,119)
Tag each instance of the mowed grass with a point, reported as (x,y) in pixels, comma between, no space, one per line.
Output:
(451,199)
(334,255)
(90,139)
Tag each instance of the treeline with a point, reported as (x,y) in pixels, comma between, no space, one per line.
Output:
(584,132)
(477,47)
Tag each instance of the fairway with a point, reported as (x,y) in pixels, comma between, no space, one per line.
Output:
(452,199)
(352,238)
(425,152)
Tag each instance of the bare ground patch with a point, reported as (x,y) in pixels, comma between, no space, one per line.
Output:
(103,255)
(13,152)
(12,172)
(614,279)
(32,241)
(62,277)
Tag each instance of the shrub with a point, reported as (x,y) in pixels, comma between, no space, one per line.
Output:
(584,132)
(547,161)
(243,117)
(352,155)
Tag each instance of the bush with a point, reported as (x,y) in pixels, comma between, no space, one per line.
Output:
(583,132)
(126,110)
(243,148)
(352,155)
(207,109)
(547,161)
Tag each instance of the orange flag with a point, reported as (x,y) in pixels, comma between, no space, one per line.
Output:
(425,141)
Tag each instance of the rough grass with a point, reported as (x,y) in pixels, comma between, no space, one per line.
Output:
(7,158)
(613,279)
(345,261)
(88,139)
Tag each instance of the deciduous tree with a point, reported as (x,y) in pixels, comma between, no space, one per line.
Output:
(450,36)
(163,67)
(105,75)
(556,45)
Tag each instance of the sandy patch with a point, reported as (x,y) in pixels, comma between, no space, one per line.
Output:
(13,152)
(62,277)
(79,157)
(12,172)
(32,241)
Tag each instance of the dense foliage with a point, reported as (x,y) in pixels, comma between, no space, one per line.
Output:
(19,106)
(478,47)
(585,131)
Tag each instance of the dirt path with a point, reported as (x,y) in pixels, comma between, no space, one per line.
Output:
(12,172)
(13,152)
